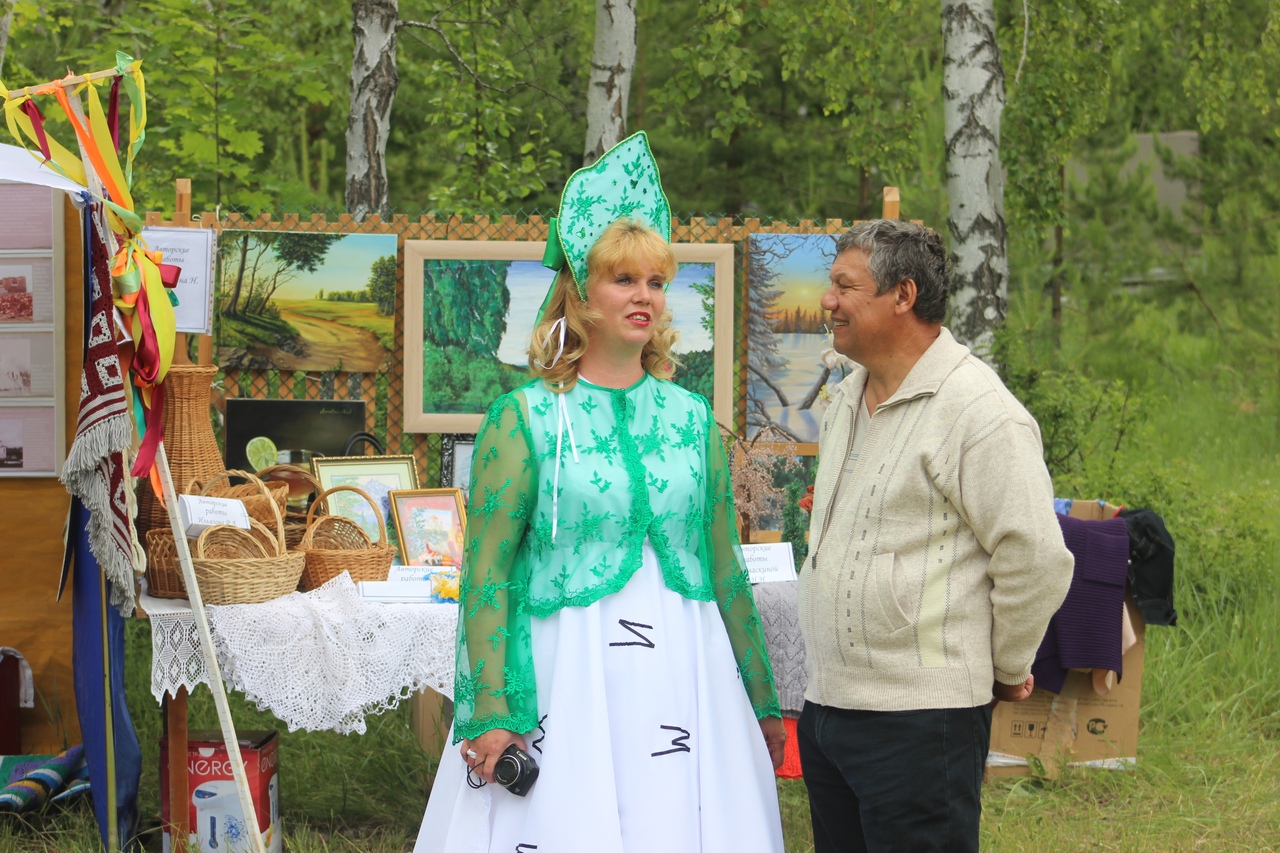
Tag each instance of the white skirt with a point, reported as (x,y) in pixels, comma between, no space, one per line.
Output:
(647,742)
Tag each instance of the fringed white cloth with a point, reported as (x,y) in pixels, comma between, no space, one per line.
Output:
(326,659)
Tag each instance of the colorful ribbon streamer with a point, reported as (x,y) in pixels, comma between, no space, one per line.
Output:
(139,278)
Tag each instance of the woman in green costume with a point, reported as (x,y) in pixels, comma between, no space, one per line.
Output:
(607,626)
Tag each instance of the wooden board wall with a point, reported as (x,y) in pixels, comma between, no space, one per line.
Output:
(34,512)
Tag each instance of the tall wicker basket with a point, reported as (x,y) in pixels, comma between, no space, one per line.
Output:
(188,439)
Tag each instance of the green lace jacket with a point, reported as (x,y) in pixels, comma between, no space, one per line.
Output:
(650,464)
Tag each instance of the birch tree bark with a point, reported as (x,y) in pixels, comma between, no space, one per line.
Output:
(612,61)
(6,21)
(373,88)
(973,98)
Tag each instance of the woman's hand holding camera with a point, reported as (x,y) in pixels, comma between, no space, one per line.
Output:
(483,753)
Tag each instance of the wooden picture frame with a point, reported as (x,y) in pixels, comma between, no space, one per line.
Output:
(376,475)
(430,526)
(451,394)
(455,461)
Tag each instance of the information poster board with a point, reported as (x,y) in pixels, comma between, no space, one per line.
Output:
(32,440)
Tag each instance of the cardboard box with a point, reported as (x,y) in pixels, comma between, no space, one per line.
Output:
(1076,726)
(1092,510)
(216,821)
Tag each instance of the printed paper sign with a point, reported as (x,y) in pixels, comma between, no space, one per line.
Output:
(200,513)
(770,562)
(192,250)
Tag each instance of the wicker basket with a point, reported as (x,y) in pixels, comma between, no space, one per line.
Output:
(247,566)
(265,502)
(164,574)
(295,520)
(334,544)
(188,439)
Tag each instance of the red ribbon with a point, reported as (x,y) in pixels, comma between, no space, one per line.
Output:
(169,275)
(146,359)
(113,114)
(155,433)
(37,123)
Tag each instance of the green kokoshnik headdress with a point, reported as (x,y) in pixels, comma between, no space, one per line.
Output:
(622,183)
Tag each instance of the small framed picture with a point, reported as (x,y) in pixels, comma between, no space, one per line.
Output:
(430,524)
(378,476)
(31,440)
(455,461)
(29,364)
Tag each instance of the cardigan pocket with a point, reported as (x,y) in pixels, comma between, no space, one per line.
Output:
(882,574)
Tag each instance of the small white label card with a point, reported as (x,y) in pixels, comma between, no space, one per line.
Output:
(199,513)
(396,592)
(770,561)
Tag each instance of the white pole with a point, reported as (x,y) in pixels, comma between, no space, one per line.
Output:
(210,659)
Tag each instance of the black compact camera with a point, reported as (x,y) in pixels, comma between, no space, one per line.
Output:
(516,770)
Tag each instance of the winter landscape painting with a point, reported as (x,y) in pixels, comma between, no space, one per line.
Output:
(787,333)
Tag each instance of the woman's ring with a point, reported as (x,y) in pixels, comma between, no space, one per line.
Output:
(471,753)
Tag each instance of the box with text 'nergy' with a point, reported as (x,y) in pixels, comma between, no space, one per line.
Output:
(216,820)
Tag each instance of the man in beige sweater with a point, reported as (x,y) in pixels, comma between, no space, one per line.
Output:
(935,561)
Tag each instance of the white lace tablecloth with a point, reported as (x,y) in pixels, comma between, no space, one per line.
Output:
(318,660)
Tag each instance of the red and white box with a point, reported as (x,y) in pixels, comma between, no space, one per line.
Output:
(216,821)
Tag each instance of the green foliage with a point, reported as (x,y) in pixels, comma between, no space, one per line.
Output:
(697,373)
(1057,95)
(382,284)
(464,305)
(809,107)
(454,380)
(795,521)
(347,296)
(245,330)
(706,290)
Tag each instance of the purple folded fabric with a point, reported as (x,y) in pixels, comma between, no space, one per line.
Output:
(1086,630)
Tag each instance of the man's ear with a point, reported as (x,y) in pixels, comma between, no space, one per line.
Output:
(905,296)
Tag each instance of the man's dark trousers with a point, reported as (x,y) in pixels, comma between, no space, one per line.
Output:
(884,781)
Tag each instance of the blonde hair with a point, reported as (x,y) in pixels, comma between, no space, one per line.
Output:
(623,240)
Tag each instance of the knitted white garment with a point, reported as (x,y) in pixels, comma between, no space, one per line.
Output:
(326,659)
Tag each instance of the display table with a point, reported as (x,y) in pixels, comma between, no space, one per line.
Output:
(321,660)
(318,660)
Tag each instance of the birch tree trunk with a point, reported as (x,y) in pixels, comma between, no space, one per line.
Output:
(373,88)
(973,98)
(6,21)
(612,61)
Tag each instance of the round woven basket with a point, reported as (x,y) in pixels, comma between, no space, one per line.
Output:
(164,574)
(295,520)
(247,566)
(265,502)
(334,544)
(189,441)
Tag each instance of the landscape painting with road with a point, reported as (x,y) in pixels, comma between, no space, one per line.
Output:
(306,301)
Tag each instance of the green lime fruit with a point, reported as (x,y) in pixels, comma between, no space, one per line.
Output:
(261,452)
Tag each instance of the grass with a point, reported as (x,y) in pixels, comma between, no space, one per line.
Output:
(1208,775)
(362,315)
(246,330)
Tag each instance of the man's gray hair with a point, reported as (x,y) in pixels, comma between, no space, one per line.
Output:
(898,250)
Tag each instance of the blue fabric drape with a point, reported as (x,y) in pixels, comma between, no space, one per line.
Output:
(88,640)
